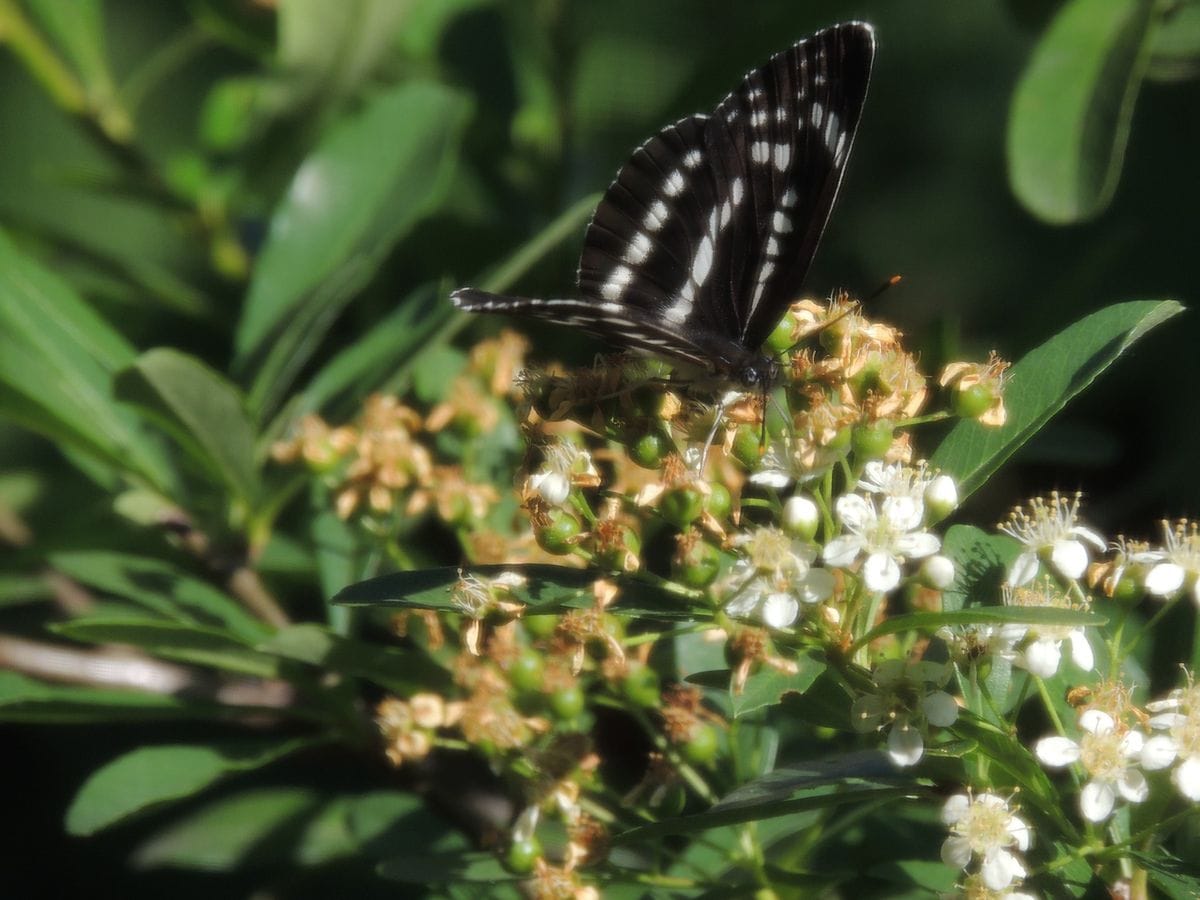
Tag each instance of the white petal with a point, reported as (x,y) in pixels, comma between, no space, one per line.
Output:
(1167,719)
(1069,558)
(880,572)
(956,852)
(1096,721)
(1092,536)
(743,605)
(917,545)
(940,709)
(1056,751)
(1096,801)
(1132,743)
(1165,579)
(906,746)
(1024,568)
(1081,650)
(1158,752)
(1186,777)
(1000,869)
(842,551)
(1021,832)
(857,513)
(955,808)
(903,513)
(1043,657)
(780,610)
(942,494)
(817,585)
(772,478)
(1133,786)
(551,486)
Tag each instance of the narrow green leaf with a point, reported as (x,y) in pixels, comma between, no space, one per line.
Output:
(1043,382)
(57,361)
(824,797)
(28,700)
(547,588)
(1070,115)
(201,409)
(152,776)
(160,587)
(403,671)
(335,48)
(264,824)
(172,640)
(865,767)
(372,178)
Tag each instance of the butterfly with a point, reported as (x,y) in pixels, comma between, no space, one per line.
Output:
(698,248)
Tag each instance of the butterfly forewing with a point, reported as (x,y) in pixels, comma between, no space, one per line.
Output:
(706,235)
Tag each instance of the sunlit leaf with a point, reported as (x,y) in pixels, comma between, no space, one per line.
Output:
(1043,382)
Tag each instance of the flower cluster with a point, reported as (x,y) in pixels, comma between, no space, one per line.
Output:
(987,835)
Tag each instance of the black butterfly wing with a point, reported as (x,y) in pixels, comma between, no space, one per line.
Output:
(707,232)
(787,132)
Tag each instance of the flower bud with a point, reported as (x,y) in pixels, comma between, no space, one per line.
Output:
(937,572)
(801,517)
(941,498)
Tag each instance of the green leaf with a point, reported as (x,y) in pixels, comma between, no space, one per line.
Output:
(547,589)
(201,409)
(57,361)
(980,565)
(440,868)
(27,700)
(864,767)
(1176,50)
(149,777)
(371,179)
(172,640)
(403,671)
(1043,382)
(767,686)
(1070,116)
(160,587)
(264,823)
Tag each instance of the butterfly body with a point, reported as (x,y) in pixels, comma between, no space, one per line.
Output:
(704,239)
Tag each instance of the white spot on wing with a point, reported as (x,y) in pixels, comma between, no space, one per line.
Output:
(678,311)
(726,213)
(831,130)
(758,118)
(783,156)
(736,190)
(772,246)
(703,261)
(788,199)
(674,184)
(781,223)
(618,280)
(760,151)
(693,159)
(818,115)
(656,216)
(638,249)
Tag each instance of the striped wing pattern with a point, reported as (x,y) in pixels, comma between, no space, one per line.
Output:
(706,235)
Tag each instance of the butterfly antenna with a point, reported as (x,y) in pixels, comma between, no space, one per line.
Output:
(712,433)
(890,283)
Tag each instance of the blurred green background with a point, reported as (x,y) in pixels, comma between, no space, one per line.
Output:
(155,206)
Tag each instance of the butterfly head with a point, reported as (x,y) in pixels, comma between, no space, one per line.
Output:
(760,374)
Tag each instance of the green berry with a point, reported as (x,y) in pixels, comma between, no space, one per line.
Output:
(525,673)
(872,441)
(522,855)
(649,450)
(641,687)
(698,565)
(682,506)
(567,703)
(701,748)
(780,340)
(719,502)
(1128,590)
(539,627)
(670,801)
(558,536)
(747,444)
(972,402)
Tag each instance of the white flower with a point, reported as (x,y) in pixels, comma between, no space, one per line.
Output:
(982,828)
(773,575)
(1177,564)
(564,465)
(1048,530)
(908,698)
(1179,717)
(973,644)
(973,888)
(1041,653)
(1108,755)
(937,493)
(887,536)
